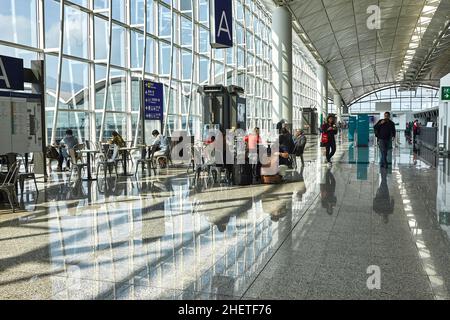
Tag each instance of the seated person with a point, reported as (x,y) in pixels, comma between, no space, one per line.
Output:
(286,140)
(117,140)
(277,165)
(160,145)
(69,142)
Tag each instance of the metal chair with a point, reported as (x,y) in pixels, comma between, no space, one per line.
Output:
(28,175)
(129,144)
(146,162)
(75,157)
(105,163)
(9,184)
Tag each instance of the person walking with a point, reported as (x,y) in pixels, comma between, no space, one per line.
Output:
(416,132)
(408,132)
(329,131)
(385,132)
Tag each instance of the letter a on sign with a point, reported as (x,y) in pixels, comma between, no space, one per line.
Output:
(221,22)
(4,76)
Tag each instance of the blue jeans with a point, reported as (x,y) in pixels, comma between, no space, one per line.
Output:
(384,146)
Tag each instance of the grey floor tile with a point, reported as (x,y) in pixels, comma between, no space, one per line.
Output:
(22,286)
(278,288)
(398,284)
(398,265)
(325,292)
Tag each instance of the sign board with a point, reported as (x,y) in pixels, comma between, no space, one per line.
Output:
(221,22)
(352,123)
(363,130)
(11,73)
(444,218)
(20,125)
(445,94)
(153,100)
(383,106)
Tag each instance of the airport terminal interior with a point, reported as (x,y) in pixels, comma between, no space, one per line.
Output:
(183,150)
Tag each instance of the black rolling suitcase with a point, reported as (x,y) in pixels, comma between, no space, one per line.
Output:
(242,174)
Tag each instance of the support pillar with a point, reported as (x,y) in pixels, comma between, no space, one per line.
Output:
(338,104)
(282,66)
(322,75)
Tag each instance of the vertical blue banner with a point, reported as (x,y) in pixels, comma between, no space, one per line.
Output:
(221,22)
(153,100)
(352,128)
(363,130)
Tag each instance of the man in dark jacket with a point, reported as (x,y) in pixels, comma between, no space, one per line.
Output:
(385,132)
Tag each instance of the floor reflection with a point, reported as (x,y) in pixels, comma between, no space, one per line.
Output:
(170,237)
(383,203)
(162,233)
(327,192)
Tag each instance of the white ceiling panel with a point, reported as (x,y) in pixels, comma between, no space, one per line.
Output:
(363,58)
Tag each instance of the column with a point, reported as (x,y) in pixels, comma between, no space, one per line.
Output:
(444,119)
(282,66)
(322,76)
(338,104)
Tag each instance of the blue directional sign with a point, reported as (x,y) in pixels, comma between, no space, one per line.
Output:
(221,22)
(153,100)
(11,73)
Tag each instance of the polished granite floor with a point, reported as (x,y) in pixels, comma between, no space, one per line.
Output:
(169,237)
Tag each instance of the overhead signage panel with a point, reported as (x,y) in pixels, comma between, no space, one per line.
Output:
(221,22)
(11,73)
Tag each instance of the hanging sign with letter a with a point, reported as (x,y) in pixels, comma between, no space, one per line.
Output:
(221,22)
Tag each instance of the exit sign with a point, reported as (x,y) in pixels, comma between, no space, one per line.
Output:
(446,93)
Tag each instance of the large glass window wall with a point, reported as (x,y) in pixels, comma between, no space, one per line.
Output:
(93,88)
(401,101)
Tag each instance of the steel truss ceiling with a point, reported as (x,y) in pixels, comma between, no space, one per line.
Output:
(411,47)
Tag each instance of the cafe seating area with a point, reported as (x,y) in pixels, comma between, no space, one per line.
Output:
(85,162)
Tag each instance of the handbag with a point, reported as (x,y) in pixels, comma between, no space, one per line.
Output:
(51,153)
(324,140)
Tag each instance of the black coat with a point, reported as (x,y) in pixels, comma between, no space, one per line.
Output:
(385,131)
